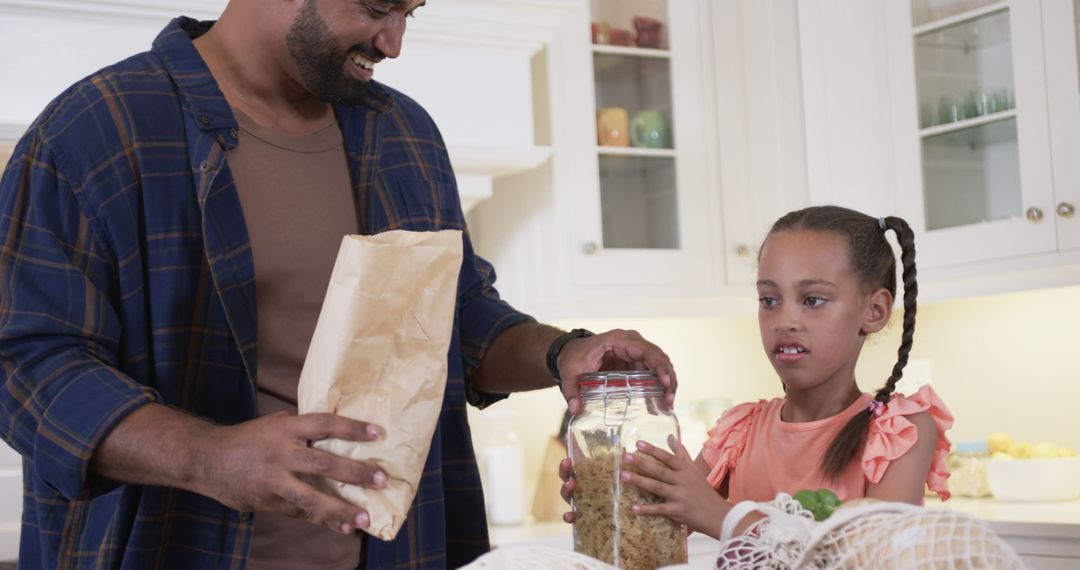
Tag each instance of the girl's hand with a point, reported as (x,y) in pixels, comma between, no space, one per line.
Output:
(690,499)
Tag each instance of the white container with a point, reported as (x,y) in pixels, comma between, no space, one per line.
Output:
(1046,479)
(504,471)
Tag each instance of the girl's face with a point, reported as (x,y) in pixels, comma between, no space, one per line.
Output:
(813,312)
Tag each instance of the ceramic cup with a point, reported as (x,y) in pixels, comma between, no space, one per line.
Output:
(601,33)
(648,31)
(612,127)
(648,130)
(622,37)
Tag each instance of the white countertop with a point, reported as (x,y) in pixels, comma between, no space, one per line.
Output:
(994,511)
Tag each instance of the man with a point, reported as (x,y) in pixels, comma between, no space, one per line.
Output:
(168,229)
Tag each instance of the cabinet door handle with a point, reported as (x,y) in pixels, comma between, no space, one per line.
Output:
(1066,210)
(589,247)
(1034,214)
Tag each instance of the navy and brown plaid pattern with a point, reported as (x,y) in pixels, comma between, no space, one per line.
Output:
(126,277)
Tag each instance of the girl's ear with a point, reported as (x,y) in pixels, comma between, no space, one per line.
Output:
(878,311)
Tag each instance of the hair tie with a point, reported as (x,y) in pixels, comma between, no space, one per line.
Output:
(881,223)
(876,408)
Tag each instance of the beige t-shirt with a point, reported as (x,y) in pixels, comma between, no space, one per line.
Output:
(298,204)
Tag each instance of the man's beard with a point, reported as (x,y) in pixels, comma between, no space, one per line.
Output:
(321,64)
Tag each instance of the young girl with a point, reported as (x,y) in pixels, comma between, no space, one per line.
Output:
(826,280)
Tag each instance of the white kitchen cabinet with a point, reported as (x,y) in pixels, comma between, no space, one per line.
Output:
(607,230)
(644,212)
(986,123)
(760,125)
(1061,28)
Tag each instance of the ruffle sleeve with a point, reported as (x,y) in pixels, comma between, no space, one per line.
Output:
(727,440)
(891,435)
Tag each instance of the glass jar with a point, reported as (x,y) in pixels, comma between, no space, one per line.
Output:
(967,468)
(620,409)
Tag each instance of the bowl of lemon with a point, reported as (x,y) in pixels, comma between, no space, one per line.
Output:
(1023,471)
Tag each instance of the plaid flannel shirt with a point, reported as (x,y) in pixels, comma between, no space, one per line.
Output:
(126,277)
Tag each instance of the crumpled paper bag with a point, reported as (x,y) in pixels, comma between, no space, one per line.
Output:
(379,355)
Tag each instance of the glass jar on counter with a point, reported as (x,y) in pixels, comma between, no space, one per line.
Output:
(620,409)
(967,468)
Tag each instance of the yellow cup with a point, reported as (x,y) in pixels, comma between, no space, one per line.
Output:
(612,127)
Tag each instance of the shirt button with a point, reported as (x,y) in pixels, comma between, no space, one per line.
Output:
(245,516)
(204,119)
(205,166)
(234,133)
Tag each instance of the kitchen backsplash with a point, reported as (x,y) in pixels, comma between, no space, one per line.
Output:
(1001,363)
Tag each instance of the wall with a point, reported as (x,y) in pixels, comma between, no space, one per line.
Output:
(1001,363)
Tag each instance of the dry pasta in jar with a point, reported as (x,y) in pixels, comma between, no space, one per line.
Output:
(620,409)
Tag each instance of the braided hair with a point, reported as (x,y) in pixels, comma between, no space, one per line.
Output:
(874,263)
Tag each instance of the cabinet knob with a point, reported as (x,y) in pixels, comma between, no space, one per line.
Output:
(742,251)
(1034,214)
(589,247)
(1066,210)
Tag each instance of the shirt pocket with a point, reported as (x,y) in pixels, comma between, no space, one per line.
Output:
(428,205)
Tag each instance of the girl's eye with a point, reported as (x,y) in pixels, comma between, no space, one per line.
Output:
(767,301)
(813,301)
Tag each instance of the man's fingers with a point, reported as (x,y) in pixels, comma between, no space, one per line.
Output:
(572,394)
(567,490)
(311,461)
(303,501)
(630,347)
(315,427)
(566,469)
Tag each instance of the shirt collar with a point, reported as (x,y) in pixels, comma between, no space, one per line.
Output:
(197,87)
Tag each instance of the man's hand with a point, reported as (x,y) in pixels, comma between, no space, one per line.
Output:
(259,465)
(566,473)
(614,350)
(263,464)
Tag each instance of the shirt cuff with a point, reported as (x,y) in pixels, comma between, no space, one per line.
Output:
(76,422)
(473,350)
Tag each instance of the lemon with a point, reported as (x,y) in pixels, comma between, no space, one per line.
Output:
(999,441)
(1066,452)
(1020,450)
(1002,455)
(1044,449)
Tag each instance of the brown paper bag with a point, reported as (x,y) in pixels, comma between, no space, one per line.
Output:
(379,355)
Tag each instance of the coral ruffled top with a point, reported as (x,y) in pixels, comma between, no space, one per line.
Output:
(762,455)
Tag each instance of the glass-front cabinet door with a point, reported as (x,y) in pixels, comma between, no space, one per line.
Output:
(651,212)
(973,147)
(1061,22)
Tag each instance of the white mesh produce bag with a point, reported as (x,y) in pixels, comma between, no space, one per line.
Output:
(893,536)
(879,535)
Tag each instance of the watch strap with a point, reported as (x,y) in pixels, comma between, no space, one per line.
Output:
(556,347)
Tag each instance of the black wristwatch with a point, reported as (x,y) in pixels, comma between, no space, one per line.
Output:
(557,346)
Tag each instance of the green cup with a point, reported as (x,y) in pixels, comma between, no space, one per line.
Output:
(649,130)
